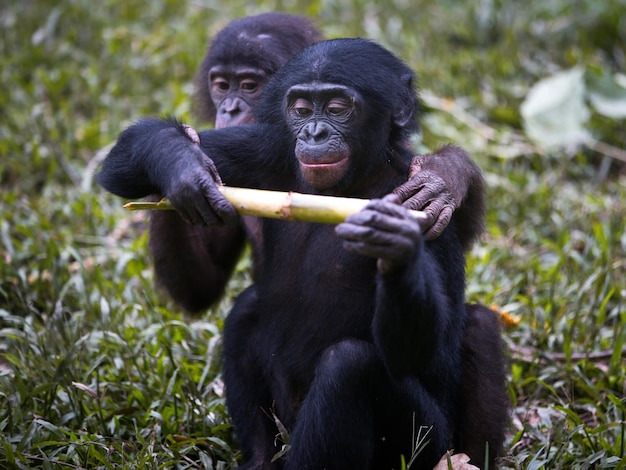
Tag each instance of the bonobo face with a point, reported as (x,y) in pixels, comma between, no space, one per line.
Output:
(323,117)
(235,91)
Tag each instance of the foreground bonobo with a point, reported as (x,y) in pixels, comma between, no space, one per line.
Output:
(193,263)
(352,336)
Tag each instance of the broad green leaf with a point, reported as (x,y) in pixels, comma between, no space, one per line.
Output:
(554,111)
(607,95)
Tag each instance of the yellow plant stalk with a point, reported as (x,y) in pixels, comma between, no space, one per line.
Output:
(295,206)
(281,205)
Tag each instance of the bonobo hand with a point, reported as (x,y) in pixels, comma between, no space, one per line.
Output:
(383,229)
(426,191)
(192,187)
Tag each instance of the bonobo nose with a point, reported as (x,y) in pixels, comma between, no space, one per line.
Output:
(315,133)
(233,112)
(230,106)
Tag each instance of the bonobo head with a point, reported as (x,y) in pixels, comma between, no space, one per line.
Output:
(350,106)
(241,59)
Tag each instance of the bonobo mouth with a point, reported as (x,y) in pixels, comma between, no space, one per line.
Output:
(323,175)
(323,163)
(227,120)
(318,163)
(320,155)
(322,166)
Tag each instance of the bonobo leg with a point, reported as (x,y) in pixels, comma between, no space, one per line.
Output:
(247,395)
(356,417)
(485,402)
(335,425)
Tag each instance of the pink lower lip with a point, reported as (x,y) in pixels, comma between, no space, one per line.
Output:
(322,165)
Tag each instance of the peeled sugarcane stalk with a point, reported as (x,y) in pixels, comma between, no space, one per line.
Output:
(296,206)
(281,205)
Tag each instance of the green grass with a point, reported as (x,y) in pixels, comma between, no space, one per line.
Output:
(100,370)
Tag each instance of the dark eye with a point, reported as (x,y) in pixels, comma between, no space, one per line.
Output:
(338,107)
(249,85)
(302,108)
(219,84)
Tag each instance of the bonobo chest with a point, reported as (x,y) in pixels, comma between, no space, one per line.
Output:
(307,264)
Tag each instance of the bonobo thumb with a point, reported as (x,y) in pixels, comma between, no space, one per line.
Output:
(442,219)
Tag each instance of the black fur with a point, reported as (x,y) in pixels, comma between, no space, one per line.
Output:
(350,359)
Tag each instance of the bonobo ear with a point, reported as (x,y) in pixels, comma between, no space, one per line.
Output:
(406,104)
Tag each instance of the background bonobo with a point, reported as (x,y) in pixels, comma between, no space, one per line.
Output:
(350,335)
(240,61)
(193,263)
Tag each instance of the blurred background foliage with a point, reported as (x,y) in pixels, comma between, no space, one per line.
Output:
(98,369)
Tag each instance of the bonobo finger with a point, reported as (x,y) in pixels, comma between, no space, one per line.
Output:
(405,225)
(392,198)
(416,165)
(378,235)
(394,217)
(422,188)
(370,225)
(389,205)
(375,237)
(427,221)
(407,190)
(192,134)
(212,169)
(357,229)
(440,224)
(218,206)
(190,212)
(351,231)
(439,212)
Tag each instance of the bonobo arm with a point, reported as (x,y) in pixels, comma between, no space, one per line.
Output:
(158,157)
(193,263)
(417,299)
(446,184)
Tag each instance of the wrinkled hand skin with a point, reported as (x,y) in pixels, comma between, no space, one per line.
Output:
(427,192)
(192,134)
(446,184)
(193,191)
(384,229)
